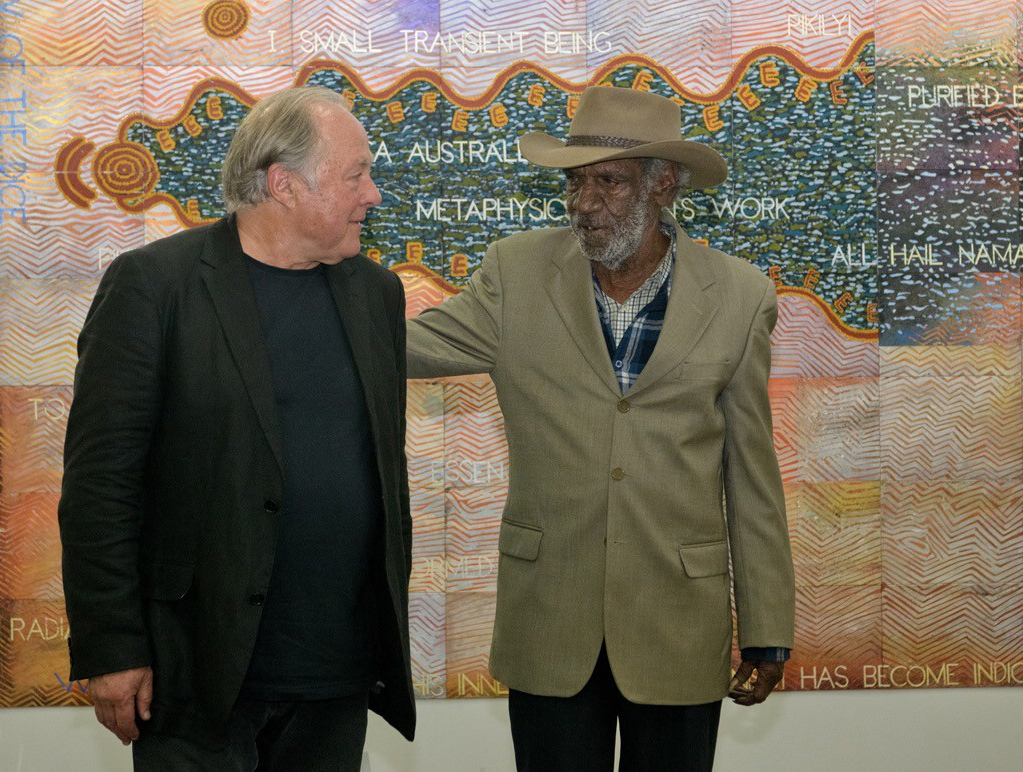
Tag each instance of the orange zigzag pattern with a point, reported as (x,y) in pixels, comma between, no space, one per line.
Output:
(77,192)
(484,99)
(74,149)
(830,314)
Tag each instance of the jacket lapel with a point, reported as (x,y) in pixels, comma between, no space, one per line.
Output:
(569,283)
(692,305)
(366,350)
(224,273)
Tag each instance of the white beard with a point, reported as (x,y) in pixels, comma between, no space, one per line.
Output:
(626,237)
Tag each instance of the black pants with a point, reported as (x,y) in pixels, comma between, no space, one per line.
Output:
(564,734)
(268,737)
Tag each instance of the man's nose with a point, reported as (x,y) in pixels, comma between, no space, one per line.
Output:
(586,199)
(371,196)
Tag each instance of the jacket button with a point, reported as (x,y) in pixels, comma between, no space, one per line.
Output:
(271,506)
(617,473)
(623,406)
(256,599)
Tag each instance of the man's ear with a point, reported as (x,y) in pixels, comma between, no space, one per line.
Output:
(665,185)
(280,183)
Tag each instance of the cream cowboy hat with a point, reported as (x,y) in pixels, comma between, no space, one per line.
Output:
(612,123)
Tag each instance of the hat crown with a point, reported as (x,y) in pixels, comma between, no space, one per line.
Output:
(626,113)
(612,124)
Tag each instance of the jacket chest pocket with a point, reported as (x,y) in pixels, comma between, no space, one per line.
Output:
(705,371)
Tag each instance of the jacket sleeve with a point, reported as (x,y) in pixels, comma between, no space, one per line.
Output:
(755,500)
(462,335)
(110,425)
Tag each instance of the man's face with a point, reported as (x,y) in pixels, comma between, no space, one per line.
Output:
(610,209)
(330,209)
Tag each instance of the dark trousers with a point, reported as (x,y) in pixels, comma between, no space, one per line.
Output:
(565,734)
(268,737)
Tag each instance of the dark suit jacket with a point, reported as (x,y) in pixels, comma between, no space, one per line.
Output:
(173,474)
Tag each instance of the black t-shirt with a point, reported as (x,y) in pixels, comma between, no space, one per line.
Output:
(318,629)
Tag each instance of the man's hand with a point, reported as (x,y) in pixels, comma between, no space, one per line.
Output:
(746,692)
(118,696)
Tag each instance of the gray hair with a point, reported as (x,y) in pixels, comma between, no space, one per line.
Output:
(653,168)
(279,129)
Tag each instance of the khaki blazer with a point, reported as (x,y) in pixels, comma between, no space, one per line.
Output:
(614,528)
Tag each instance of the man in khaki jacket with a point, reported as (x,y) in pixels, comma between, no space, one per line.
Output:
(631,365)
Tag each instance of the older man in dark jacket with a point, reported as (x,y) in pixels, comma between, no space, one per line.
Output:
(235,516)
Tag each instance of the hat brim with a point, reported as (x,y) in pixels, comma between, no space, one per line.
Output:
(706,164)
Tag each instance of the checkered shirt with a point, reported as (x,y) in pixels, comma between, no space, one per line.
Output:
(631,328)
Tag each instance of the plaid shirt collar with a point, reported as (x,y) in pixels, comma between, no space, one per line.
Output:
(620,316)
(631,329)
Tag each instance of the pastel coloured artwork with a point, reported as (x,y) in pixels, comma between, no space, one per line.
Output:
(874,176)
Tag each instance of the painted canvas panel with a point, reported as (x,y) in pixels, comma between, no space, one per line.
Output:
(874,155)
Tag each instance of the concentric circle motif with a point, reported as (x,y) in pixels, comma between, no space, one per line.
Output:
(225,19)
(125,170)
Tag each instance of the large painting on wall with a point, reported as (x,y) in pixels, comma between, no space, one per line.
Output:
(874,176)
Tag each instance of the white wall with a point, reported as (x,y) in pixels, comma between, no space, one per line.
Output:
(979,730)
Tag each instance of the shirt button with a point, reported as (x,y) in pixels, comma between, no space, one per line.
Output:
(619,364)
(271,506)
(617,473)
(256,599)
(623,406)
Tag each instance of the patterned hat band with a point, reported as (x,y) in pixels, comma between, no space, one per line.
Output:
(598,141)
